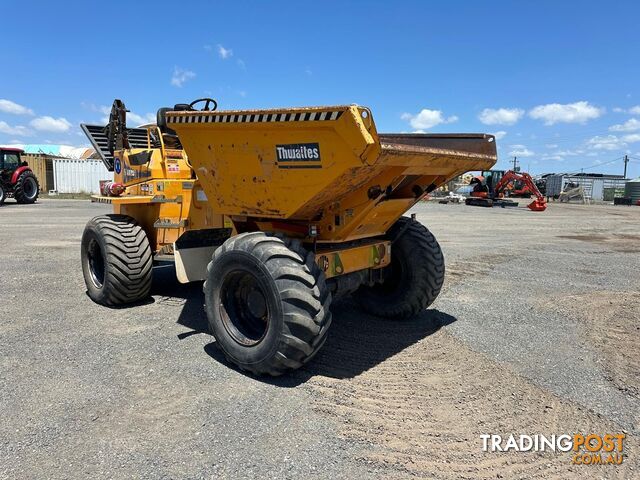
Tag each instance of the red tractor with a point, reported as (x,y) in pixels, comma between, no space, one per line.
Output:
(16,178)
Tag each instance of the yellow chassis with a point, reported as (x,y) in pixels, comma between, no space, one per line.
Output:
(334,261)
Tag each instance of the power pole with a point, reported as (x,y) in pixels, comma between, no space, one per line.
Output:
(515,163)
(626,160)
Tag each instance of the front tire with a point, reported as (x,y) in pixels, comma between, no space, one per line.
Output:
(267,303)
(27,188)
(116,260)
(415,275)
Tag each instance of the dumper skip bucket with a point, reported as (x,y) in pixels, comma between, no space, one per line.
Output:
(325,165)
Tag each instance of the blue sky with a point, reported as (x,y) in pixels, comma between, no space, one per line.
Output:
(559,82)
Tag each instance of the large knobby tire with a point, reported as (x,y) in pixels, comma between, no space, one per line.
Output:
(27,188)
(3,195)
(267,303)
(117,261)
(415,275)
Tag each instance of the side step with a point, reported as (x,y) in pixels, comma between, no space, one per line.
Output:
(193,252)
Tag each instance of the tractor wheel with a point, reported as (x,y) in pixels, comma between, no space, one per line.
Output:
(415,275)
(116,260)
(3,195)
(27,188)
(267,303)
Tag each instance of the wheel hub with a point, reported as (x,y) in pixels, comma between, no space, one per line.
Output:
(30,188)
(96,263)
(256,303)
(243,308)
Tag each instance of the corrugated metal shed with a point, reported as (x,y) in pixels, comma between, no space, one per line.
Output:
(42,166)
(594,185)
(79,176)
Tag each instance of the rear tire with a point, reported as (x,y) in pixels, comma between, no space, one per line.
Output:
(116,260)
(27,188)
(267,303)
(3,196)
(415,277)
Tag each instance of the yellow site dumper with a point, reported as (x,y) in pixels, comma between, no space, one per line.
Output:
(278,211)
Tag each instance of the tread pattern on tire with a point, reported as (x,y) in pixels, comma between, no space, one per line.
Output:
(130,261)
(303,292)
(428,261)
(18,191)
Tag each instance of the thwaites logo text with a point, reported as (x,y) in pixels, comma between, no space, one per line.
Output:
(298,155)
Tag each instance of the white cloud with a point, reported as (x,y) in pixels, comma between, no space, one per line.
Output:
(578,112)
(50,124)
(224,52)
(612,142)
(427,119)
(7,106)
(520,151)
(181,76)
(630,125)
(140,119)
(500,116)
(18,130)
(551,145)
(569,153)
(606,142)
(558,158)
(133,118)
(499,135)
(632,110)
(96,108)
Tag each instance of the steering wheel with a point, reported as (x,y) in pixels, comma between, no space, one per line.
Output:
(207,102)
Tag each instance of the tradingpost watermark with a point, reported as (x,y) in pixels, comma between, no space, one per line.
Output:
(585,449)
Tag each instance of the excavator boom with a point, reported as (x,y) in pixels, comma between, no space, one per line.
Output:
(539,204)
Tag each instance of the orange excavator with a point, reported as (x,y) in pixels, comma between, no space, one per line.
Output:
(490,188)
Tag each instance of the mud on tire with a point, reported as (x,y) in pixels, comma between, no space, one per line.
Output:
(116,260)
(27,188)
(415,277)
(267,303)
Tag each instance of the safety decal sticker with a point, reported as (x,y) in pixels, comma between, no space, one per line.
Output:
(256,117)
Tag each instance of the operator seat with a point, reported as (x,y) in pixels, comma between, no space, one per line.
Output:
(169,136)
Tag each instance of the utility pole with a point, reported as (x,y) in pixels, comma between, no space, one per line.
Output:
(626,160)
(515,164)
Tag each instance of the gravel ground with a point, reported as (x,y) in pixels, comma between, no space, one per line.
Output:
(536,331)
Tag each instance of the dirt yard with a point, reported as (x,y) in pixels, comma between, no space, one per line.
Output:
(536,332)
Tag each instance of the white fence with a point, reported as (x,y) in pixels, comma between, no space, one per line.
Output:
(79,176)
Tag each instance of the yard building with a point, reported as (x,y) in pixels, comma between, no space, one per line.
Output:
(597,187)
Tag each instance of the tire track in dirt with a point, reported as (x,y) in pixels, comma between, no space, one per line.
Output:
(417,399)
(611,325)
